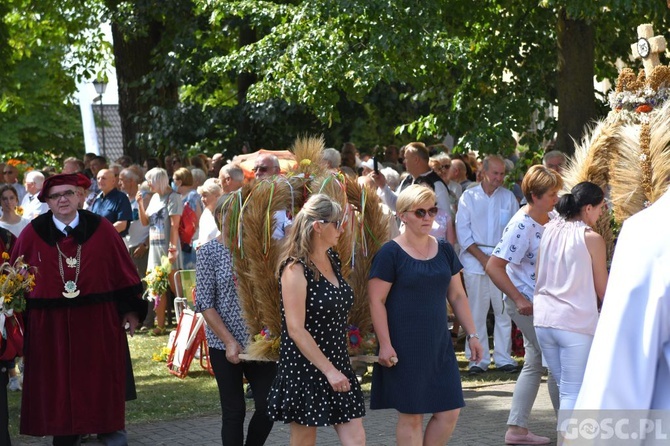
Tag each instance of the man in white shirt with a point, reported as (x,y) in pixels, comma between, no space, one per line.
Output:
(231,177)
(483,212)
(31,205)
(267,166)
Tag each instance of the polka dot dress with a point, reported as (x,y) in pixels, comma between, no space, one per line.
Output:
(300,392)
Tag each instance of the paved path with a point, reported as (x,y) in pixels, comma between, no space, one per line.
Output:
(482,423)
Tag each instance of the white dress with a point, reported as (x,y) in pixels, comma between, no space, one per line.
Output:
(16,228)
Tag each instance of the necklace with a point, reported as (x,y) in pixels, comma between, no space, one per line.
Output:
(70,286)
(420,253)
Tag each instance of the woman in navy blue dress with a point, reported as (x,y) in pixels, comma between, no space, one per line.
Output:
(417,371)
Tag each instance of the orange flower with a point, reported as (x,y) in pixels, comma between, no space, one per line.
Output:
(644,108)
(5,256)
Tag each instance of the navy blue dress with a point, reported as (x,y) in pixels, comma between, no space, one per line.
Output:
(300,392)
(426,378)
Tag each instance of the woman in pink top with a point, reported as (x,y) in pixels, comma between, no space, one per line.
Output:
(571,278)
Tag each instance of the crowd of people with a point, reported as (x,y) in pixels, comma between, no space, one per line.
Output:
(462,242)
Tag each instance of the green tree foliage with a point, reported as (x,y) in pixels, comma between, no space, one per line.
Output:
(481,69)
(221,74)
(48,46)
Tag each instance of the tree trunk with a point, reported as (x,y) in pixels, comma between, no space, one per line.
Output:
(576,99)
(135,59)
(244,81)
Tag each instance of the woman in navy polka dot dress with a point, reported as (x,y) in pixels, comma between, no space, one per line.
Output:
(315,384)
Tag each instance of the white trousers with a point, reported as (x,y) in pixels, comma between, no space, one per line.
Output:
(528,382)
(565,353)
(482,295)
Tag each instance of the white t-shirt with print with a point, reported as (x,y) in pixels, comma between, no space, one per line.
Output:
(519,245)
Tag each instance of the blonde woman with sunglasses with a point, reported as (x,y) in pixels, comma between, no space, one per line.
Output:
(315,384)
(417,371)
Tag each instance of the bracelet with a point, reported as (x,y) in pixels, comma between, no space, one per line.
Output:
(172,249)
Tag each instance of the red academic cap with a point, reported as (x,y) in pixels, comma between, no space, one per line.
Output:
(72,179)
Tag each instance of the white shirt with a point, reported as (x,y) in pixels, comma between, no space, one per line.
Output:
(16,228)
(518,246)
(629,363)
(137,232)
(208,230)
(480,221)
(32,207)
(61,226)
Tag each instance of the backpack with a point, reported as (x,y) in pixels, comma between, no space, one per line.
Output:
(187,225)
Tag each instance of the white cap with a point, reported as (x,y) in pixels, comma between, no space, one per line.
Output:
(370,164)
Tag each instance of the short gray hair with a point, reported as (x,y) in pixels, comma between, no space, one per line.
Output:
(211,186)
(36,177)
(332,157)
(392,177)
(234,171)
(553,154)
(199,176)
(159,178)
(489,158)
(129,174)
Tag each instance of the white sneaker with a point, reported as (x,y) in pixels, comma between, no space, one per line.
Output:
(14,384)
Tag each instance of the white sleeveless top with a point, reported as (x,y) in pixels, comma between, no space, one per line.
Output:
(565,295)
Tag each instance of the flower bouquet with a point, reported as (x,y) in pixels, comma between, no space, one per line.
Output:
(157,281)
(15,281)
(264,346)
(359,345)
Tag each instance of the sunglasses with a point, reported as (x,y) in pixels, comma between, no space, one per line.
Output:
(338,224)
(261,169)
(7,172)
(66,194)
(420,213)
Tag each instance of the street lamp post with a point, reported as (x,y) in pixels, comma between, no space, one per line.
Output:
(100,87)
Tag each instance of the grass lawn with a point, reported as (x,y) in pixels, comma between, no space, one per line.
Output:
(162,396)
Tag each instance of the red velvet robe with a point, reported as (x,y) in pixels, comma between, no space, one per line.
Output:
(75,349)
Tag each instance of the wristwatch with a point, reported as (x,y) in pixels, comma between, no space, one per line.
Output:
(470,336)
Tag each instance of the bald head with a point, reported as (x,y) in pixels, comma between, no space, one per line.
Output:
(265,166)
(457,171)
(106,180)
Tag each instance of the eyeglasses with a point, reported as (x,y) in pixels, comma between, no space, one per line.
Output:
(66,194)
(420,213)
(261,169)
(338,223)
(7,172)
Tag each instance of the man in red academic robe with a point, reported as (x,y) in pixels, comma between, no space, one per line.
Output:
(86,291)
